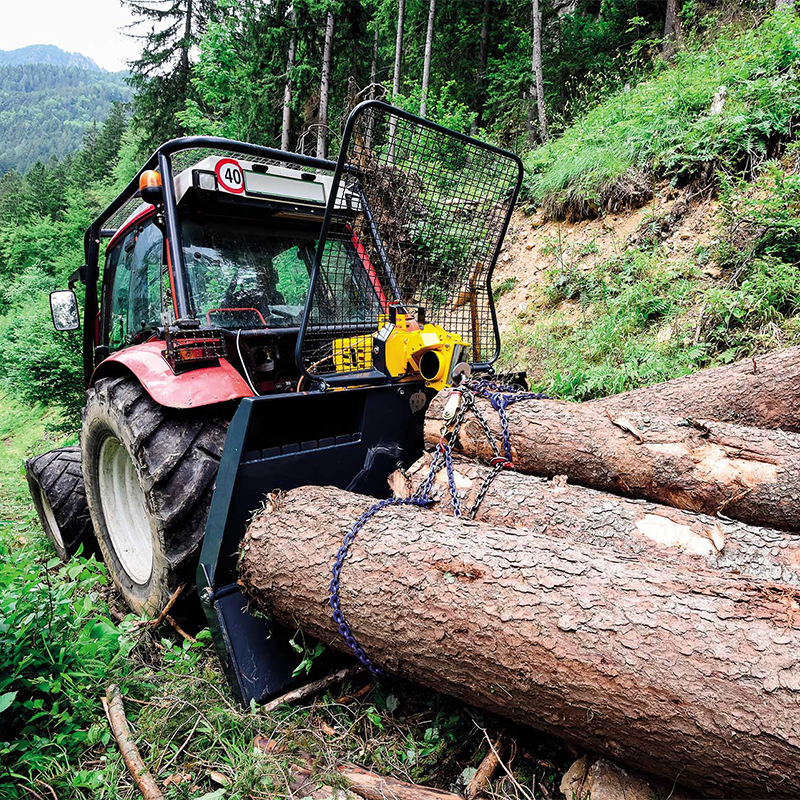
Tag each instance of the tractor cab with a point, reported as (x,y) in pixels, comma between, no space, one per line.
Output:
(247,235)
(257,320)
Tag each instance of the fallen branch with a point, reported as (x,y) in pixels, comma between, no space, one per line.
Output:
(486,770)
(181,631)
(115,711)
(372,786)
(167,608)
(310,689)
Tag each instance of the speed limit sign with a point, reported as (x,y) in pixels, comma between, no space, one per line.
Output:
(229,175)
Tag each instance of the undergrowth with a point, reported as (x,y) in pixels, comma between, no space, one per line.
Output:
(664,127)
(640,317)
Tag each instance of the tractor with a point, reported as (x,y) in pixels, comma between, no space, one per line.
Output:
(256,320)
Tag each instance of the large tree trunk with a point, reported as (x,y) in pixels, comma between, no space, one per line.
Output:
(398,60)
(287,89)
(763,391)
(688,674)
(483,58)
(633,527)
(426,64)
(746,473)
(537,89)
(324,90)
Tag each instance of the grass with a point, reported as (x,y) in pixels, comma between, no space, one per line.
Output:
(663,127)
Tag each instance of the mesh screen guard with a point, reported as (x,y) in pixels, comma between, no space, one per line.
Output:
(418,218)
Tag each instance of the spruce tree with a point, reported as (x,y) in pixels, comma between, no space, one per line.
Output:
(161,74)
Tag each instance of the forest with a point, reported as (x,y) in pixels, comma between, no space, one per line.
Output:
(47,109)
(656,234)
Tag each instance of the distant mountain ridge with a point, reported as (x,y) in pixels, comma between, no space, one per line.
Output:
(47,54)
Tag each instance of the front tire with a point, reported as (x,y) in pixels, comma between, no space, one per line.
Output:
(150,473)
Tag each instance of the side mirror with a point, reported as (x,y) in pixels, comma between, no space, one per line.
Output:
(64,308)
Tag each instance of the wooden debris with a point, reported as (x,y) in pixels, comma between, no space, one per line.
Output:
(115,711)
(486,771)
(311,689)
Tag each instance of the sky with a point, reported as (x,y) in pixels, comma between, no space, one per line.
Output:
(90,27)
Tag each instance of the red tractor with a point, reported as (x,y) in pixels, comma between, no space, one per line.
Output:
(261,320)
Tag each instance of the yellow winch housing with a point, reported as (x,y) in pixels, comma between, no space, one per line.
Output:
(404,348)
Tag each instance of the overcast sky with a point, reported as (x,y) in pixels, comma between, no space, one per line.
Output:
(90,27)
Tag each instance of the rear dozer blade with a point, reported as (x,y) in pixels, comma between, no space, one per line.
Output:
(351,439)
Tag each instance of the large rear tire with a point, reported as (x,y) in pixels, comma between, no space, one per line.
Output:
(150,473)
(55,481)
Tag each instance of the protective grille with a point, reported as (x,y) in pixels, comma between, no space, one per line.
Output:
(427,212)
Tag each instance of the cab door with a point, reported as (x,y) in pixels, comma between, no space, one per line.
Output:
(133,294)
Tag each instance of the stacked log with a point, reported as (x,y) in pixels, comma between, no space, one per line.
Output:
(641,597)
(697,464)
(763,392)
(683,672)
(634,528)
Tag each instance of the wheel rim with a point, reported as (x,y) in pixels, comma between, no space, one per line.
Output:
(125,510)
(50,518)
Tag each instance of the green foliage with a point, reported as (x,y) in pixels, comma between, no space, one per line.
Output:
(45,110)
(43,216)
(504,287)
(613,344)
(58,647)
(664,128)
(760,252)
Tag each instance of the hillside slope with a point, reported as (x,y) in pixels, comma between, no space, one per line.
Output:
(658,240)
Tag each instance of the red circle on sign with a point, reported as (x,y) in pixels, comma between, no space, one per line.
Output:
(230,175)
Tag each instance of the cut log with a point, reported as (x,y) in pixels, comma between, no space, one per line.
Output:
(763,391)
(683,673)
(746,473)
(631,527)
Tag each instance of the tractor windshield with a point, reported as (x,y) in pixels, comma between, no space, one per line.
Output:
(252,274)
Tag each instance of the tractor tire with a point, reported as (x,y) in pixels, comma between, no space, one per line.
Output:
(150,473)
(55,481)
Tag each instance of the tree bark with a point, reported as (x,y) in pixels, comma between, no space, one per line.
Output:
(673,31)
(287,89)
(324,89)
(684,673)
(426,64)
(763,391)
(633,528)
(398,60)
(745,473)
(483,59)
(537,89)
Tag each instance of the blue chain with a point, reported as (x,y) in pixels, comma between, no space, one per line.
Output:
(500,396)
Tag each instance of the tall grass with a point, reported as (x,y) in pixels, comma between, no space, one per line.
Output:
(663,127)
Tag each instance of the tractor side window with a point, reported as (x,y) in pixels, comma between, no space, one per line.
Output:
(119,265)
(145,294)
(135,306)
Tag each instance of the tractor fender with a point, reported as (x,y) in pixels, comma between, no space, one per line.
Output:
(194,388)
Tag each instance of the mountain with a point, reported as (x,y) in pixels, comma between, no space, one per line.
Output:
(46,54)
(47,108)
